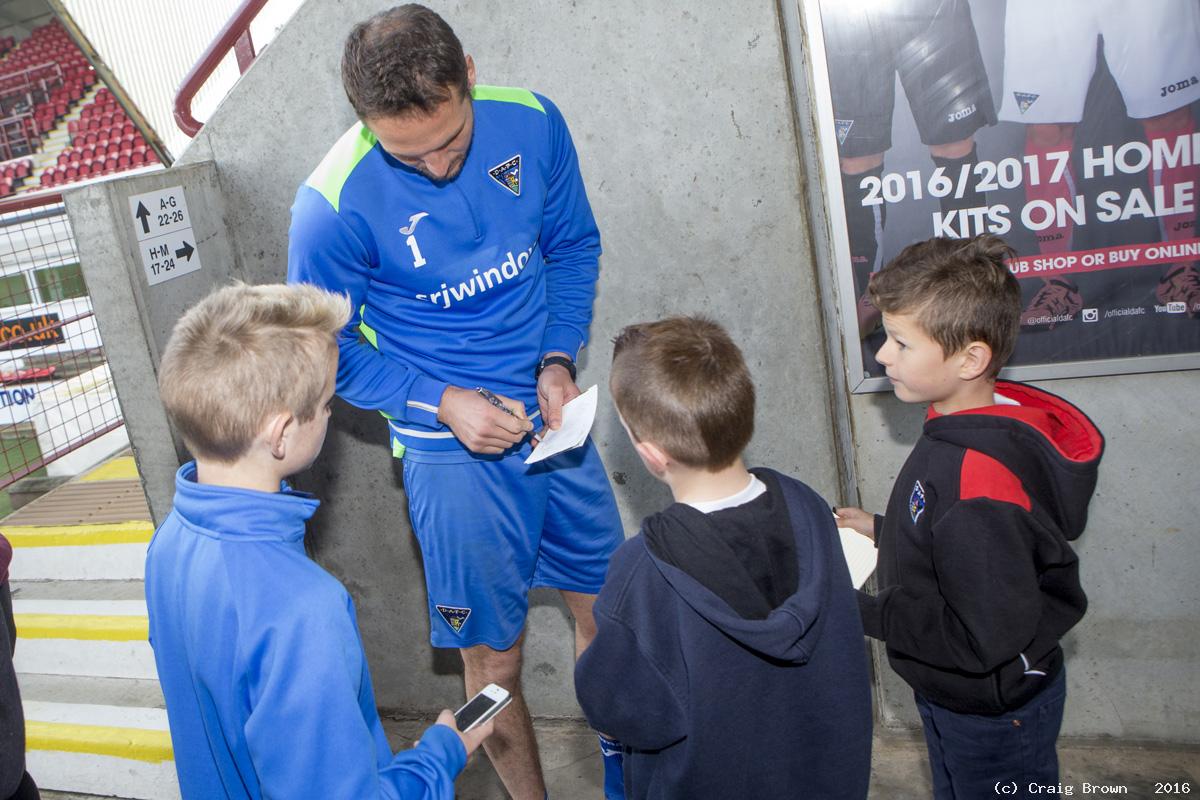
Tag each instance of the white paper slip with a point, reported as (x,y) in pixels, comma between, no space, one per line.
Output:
(577,418)
(860,555)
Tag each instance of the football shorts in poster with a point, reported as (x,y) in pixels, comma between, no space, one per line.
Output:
(1069,128)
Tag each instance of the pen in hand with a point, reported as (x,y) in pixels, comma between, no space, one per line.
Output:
(491,397)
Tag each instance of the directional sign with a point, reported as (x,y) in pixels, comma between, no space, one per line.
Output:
(156,213)
(169,256)
(164,233)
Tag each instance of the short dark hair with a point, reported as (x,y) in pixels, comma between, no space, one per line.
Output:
(959,290)
(682,383)
(402,61)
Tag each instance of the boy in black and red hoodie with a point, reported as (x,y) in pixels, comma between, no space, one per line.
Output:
(977,581)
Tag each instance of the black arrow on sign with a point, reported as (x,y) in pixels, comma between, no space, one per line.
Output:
(185,252)
(144,216)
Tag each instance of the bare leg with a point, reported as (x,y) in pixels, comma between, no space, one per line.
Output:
(512,749)
(953,149)
(585,631)
(864,226)
(580,606)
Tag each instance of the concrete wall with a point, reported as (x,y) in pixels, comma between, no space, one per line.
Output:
(135,318)
(682,118)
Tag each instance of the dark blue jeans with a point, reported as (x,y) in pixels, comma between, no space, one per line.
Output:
(969,754)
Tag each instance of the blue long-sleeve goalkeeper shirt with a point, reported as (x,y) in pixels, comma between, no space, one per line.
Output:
(466,282)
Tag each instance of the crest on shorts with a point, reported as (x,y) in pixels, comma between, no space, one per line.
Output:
(1025,100)
(916,503)
(455,617)
(508,174)
(843,129)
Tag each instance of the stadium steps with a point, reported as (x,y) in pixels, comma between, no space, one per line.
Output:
(58,138)
(95,720)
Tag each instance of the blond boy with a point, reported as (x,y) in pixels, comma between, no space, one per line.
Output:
(258,652)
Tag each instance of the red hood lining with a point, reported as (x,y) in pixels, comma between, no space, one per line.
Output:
(1073,435)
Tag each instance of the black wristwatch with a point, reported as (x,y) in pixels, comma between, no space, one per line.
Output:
(550,361)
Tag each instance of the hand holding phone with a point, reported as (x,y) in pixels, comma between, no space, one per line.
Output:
(482,707)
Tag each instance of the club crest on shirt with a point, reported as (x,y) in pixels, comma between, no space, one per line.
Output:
(455,617)
(508,174)
(916,502)
(1025,100)
(843,129)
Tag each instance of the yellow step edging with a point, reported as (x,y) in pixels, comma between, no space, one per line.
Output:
(122,468)
(137,532)
(94,627)
(134,743)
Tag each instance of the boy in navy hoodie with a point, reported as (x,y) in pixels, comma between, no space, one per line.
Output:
(728,657)
(977,581)
(258,652)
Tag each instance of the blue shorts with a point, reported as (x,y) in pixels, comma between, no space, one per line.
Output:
(491,529)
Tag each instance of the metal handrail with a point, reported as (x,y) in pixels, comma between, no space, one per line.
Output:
(21,202)
(236,33)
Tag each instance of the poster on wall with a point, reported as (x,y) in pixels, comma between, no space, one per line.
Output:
(1068,128)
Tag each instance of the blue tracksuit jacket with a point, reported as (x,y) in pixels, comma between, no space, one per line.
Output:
(465,283)
(261,664)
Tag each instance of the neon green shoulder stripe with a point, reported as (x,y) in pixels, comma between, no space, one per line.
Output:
(504,94)
(330,175)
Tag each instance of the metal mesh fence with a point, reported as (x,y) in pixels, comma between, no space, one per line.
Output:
(57,397)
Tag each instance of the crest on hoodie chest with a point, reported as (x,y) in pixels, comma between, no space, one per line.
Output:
(916,502)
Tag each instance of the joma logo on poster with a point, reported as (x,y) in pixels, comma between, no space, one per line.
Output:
(962,113)
(1178,86)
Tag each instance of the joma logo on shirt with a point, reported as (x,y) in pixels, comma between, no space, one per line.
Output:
(1178,86)
(479,282)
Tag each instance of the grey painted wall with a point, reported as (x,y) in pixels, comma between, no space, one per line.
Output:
(683,122)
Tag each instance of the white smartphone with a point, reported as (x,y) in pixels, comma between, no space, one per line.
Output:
(482,707)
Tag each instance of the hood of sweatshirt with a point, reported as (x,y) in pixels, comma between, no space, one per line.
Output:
(1049,444)
(791,630)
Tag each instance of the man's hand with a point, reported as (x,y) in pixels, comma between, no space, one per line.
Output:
(856,519)
(478,424)
(555,388)
(472,738)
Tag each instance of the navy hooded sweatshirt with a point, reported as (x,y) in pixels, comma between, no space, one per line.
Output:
(713,703)
(977,578)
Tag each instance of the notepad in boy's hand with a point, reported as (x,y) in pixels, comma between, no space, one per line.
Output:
(577,418)
(860,555)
